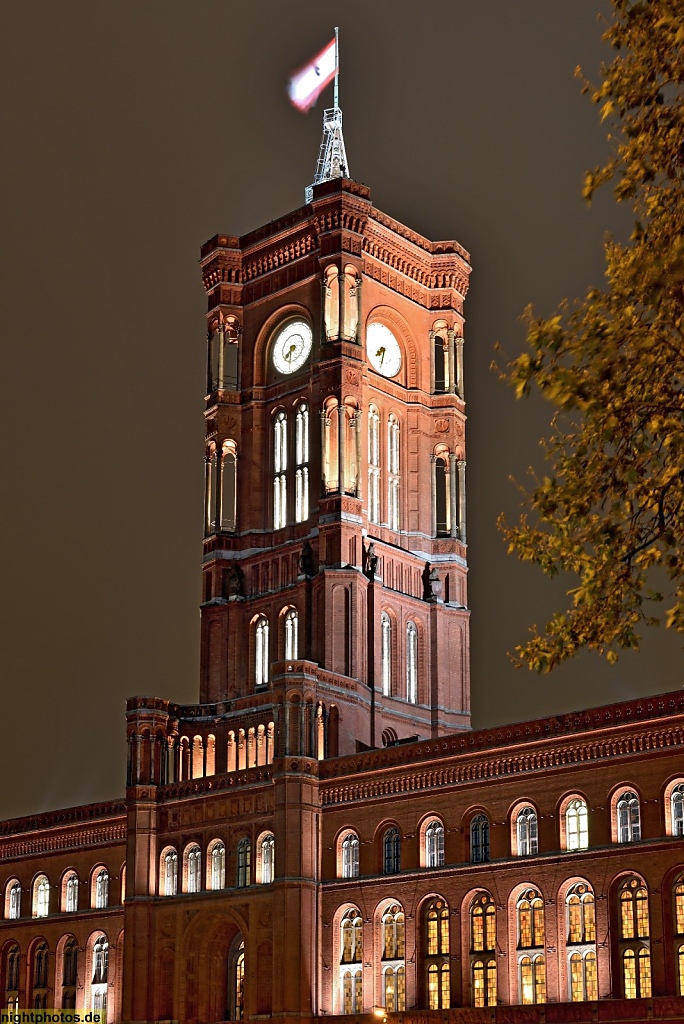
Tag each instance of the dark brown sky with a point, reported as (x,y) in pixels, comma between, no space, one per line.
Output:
(131,132)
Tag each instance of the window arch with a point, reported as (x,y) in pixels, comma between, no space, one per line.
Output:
(527,842)
(580,932)
(634,932)
(236,980)
(411,662)
(678,929)
(291,628)
(386,653)
(100,889)
(351,961)
(100,973)
(280,471)
(13,899)
(192,868)
(393,472)
(479,839)
(217,865)
(261,660)
(41,896)
(70,893)
(302,463)
(441,495)
(482,950)
(531,937)
(12,965)
(391,847)
(244,863)
(436,954)
(350,855)
(677,810)
(69,974)
(228,484)
(434,845)
(628,818)
(168,873)
(373,465)
(267,858)
(393,953)
(576,825)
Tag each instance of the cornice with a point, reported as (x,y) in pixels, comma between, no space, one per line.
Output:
(63,839)
(63,818)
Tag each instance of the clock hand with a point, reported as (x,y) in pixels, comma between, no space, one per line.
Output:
(382,357)
(292,348)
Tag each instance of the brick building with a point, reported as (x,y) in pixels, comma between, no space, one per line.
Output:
(322,833)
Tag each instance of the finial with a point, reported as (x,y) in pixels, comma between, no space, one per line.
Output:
(332,157)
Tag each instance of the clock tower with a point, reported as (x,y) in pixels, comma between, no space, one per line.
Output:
(334,574)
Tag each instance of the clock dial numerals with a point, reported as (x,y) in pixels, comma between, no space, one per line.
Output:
(382,349)
(292,346)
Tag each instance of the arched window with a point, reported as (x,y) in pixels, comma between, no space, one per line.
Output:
(583,977)
(12,965)
(69,974)
(391,851)
(679,906)
(71,893)
(441,362)
(411,663)
(434,845)
(13,901)
(237,984)
(634,946)
(40,967)
(483,950)
(479,839)
(530,913)
(677,809)
(581,943)
(393,472)
(350,856)
(218,866)
(436,955)
(441,483)
(291,635)
(351,953)
(373,465)
(576,825)
(581,918)
(41,896)
(228,484)
(193,868)
(267,858)
(526,832)
(280,471)
(532,979)
(261,651)
(628,818)
(244,863)
(102,889)
(98,986)
(393,952)
(169,873)
(386,653)
(302,463)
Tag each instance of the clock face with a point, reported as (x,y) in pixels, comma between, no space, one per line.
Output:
(384,353)
(292,346)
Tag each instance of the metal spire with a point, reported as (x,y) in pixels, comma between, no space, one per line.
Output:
(332,156)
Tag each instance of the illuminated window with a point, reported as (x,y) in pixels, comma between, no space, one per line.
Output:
(680,969)
(102,889)
(581,943)
(436,955)
(244,861)
(635,953)
(280,471)
(98,987)
(291,635)
(261,651)
(411,663)
(482,945)
(634,920)
(526,831)
(530,913)
(351,938)
(677,808)
(576,825)
(393,934)
(483,982)
(679,906)
(532,979)
(41,896)
(350,856)
(583,977)
(636,973)
(237,984)
(302,463)
(581,919)
(14,901)
(393,950)
(373,465)
(393,473)
(479,839)
(434,845)
(218,866)
(170,873)
(391,851)
(628,818)
(267,858)
(352,991)
(193,868)
(386,653)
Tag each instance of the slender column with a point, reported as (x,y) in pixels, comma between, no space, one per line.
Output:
(433,487)
(453,498)
(453,378)
(219,492)
(461,500)
(207,495)
(325,428)
(432,362)
(210,361)
(221,355)
(357,438)
(459,367)
(341,465)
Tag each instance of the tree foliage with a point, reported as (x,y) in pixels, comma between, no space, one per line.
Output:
(611,510)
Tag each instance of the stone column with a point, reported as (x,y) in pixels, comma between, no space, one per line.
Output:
(431,336)
(453,497)
(221,355)
(210,362)
(461,500)
(451,362)
(459,367)
(325,427)
(433,488)
(207,495)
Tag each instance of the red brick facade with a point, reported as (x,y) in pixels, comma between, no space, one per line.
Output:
(322,834)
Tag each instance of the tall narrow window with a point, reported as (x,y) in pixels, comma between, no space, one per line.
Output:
(280,471)
(71,893)
(170,873)
(628,818)
(302,463)
(576,825)
(373,465)
(218,866)
(291,635)
(238,984)
(69,974)
(532,979)
(267,859)
(351,954)
(411,663)
(483,950)
(677,810)
(436,955)
(261,652)
(393,952)
(228,485)
(244,862)
(14,902)
(393,472)
(193,868)
(442,517)
(434,845)
(479,839)
(392,851)
(12,977)
(581,943)
(526,829)
(102,889)
(350,856)
(41,896)
(635,952)
(530,911)
(98,987)
(678,894)
(386,653)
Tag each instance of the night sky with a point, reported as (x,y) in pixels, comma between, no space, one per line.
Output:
(132,132)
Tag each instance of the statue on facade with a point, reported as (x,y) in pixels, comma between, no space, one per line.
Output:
(305,565)
(432,584)
(372,561)
(236,582)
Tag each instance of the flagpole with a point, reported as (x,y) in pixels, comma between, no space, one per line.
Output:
(336,99)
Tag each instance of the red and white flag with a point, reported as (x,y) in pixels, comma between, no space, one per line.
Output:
(307,84)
